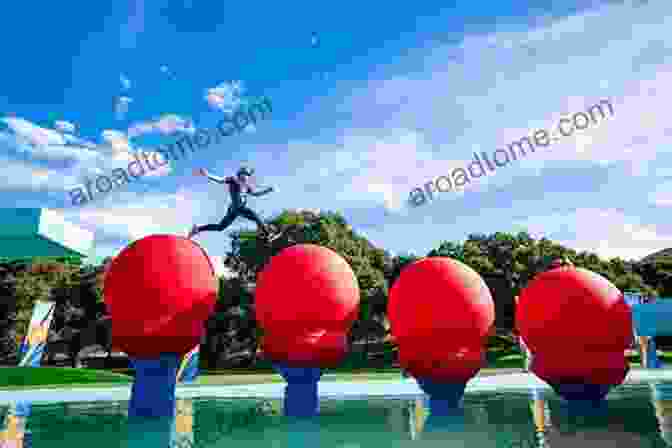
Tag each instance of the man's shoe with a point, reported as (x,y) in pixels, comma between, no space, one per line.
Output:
(273,236)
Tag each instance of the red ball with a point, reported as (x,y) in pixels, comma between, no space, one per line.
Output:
(302,347)
(440,312)
(159,290)
(577,324)
(306,299)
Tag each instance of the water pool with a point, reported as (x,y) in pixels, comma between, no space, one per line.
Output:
(637,414)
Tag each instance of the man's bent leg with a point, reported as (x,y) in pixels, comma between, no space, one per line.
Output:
(231,215)
(248,213)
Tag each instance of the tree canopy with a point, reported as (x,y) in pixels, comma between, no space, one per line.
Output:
(512,259)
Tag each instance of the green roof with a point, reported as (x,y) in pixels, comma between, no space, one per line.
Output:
(28,233)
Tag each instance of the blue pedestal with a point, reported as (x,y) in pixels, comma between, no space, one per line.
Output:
(442,420)
(445,411)
(22,409)
(590,395)
(582,415)
(303,432)
(146,432)
(652,319)
(443,398)
(651,356)
(153,392)
(301,395)
(28,439)
(661,391)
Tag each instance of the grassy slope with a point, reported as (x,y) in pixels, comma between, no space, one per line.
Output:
(366,376)
(13,378)
(45,376)
(222,378)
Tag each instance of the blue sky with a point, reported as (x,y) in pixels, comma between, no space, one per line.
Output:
(392,96)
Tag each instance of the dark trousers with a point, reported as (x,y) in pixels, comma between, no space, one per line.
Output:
(231,215)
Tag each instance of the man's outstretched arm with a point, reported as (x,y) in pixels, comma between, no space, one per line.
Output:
(219,180)
(261,192)
(203,172)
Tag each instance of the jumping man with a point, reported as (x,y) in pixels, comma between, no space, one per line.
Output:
(239,188)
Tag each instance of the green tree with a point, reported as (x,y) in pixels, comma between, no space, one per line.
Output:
(395,265)
(249,254)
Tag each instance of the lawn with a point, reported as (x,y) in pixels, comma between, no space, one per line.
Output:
(12,378)
(20,377)
(364,376)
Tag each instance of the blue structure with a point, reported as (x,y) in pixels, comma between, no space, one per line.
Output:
(650,320)
(301,396)
(153,392)
(444,398)
(28,233)
(661,399)
(14,431)
(35,341)
(151,411)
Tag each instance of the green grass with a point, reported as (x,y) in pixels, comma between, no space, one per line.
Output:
(636,360)
(266,378)
(511,360)
(20,377)
(17,378)
(270,378)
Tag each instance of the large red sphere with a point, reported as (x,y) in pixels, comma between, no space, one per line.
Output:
(159,290)
(577,324)
(306,299)
(440,313)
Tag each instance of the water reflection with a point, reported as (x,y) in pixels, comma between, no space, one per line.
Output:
(541,416)
(184,424)
(418,417)
(582,425)
(638,416)
(479,421)
(13,429)
(661,398)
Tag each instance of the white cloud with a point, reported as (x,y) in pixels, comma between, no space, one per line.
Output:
(18,176)
(370,169)
(131,216)
(138,129)
(45,160)
(64,153)
(64,126)
(494,89)
(125,82)
(609,233)
(117,141)
(121,160)
(121,107)
(33,134)
(77,141)
(34,144)
(538,75)
(429,114)
(168,124)
(227,96)
(662,195)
